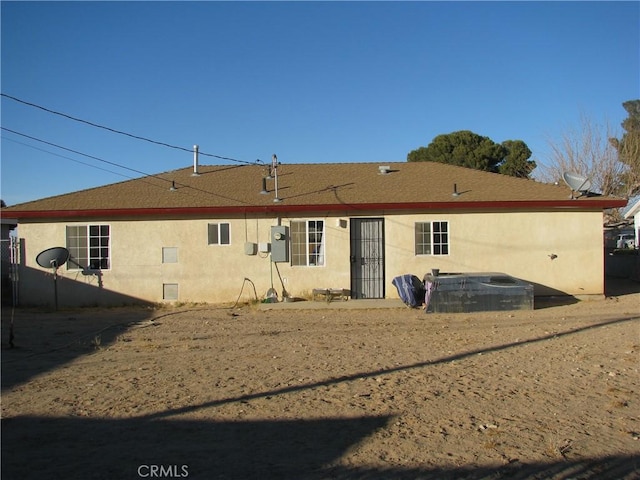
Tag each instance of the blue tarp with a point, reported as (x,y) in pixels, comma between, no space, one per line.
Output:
(410,288)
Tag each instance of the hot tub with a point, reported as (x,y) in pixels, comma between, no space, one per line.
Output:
(476,292)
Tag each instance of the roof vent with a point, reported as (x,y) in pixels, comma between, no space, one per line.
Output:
(195,161)
(264,190)
(384,169)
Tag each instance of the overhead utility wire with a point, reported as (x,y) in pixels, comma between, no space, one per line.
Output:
(124,133)
(173,183)
(69,158)
(83,154)
(88,164)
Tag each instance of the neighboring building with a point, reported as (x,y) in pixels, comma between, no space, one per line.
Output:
(6,248)
(182,237)
(7,225)
(633,212)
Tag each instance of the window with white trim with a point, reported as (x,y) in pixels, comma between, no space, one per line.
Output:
(307,243)
(219,234)
(89,247)
(432,238)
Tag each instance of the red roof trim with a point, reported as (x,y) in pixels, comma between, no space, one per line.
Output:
(283,208)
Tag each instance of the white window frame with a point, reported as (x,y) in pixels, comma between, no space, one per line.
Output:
(439,242)
(311,258)
(85,252)
(219,233)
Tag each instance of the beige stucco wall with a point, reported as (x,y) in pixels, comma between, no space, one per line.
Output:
(516,243)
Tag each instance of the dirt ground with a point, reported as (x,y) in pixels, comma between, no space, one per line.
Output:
(217,393)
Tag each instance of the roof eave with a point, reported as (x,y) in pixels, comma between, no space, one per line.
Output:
(599,204)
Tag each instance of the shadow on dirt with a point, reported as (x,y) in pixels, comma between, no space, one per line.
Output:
(616,287)
(46,341)
(82,448)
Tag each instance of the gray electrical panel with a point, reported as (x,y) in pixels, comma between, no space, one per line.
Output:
(279,244)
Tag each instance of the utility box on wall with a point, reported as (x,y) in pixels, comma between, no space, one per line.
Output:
(250,248)
(279,244)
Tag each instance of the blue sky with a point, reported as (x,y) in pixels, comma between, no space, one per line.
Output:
(310,81)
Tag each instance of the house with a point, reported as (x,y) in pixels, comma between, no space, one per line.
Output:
(199,235)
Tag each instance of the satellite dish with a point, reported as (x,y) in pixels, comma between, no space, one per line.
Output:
(576,182)
(52,257)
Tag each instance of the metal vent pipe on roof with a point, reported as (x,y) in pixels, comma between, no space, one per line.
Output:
(195,161)
(274,165)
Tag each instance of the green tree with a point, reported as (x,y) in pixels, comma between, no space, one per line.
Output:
(517,163)
(467,149)
(628,148)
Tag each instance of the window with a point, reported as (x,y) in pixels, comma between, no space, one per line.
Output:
(432,238)
(219,234)
(307,243)
(89,247)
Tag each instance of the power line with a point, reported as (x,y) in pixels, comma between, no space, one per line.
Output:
(123,133)
(173,183)
(111,171)
(83,154)
(81,162)
(67,158)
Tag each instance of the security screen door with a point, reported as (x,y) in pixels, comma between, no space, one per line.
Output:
(367,258)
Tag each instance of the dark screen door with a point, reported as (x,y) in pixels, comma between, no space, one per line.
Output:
(367,258)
